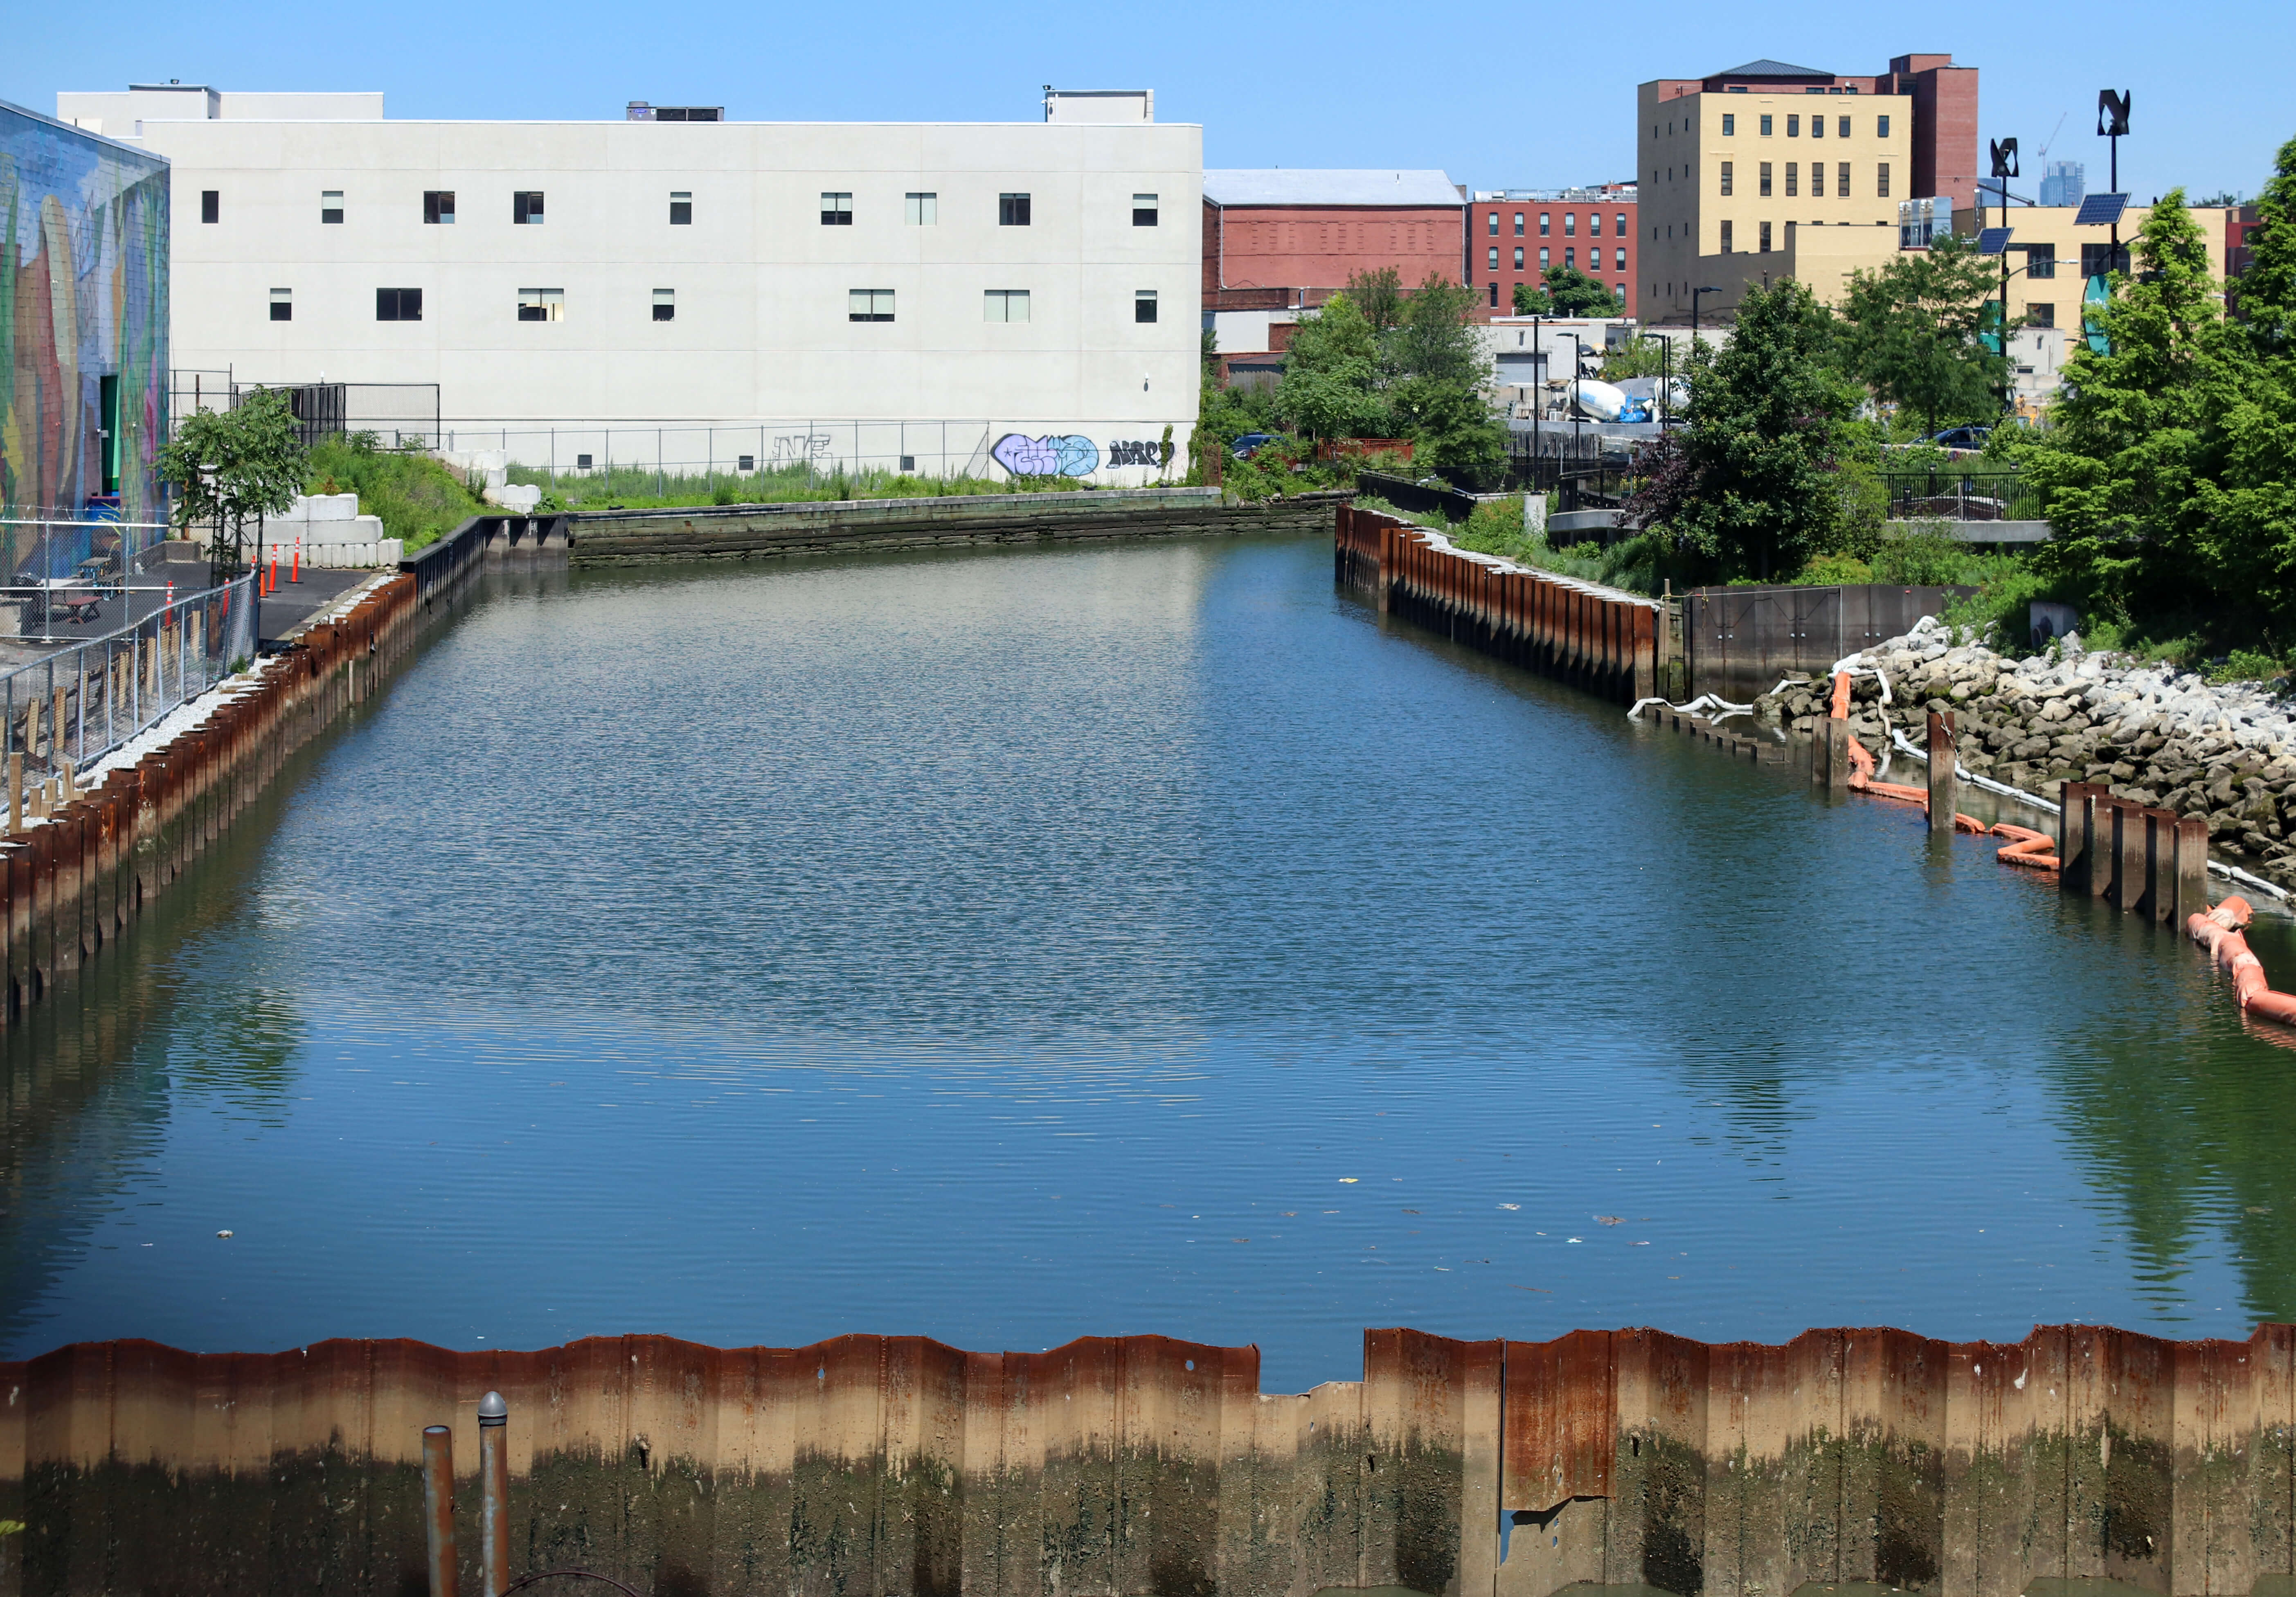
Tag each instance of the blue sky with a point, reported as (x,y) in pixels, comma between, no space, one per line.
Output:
(1340,85)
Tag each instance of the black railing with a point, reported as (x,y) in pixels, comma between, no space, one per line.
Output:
(444,562)
(1404,494)
(1954,496)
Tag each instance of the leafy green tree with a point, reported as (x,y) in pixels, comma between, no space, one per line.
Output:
(233,466)
(1379,295)
(1531,300)
(2134,465)
(1331,374)
(1637,358)
(1437,367)
(1910,333)
(1575,294)
(1747,484)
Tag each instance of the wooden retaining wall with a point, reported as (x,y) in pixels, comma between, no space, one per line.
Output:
(872,1466)
(1604,640)
(69,886)
(754,531)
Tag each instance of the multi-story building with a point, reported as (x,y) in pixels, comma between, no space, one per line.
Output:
(1281,241)
(2064,183)
(673,267)
(1769,171)
(84,356)
(2051,259)
(1515,234)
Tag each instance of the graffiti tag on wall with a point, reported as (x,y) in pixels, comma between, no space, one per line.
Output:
(1056,455)
(1139,452)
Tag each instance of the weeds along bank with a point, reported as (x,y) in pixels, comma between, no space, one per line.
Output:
(2224,753)
(77,879)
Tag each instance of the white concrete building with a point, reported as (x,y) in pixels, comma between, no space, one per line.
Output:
(867,290)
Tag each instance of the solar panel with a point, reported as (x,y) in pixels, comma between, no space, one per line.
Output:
(1993,241)
(2101,211)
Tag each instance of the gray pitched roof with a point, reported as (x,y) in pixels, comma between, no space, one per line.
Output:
(1309,185)
(1766,68)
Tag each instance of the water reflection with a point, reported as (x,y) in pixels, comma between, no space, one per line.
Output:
(1007,945)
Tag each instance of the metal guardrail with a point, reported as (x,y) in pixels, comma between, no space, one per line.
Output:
(1954,496)
(80,704)
(443,562)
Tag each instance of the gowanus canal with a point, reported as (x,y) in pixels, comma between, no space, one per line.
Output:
(1011,945)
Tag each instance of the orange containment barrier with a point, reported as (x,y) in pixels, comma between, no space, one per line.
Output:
(2219,932)
(2036,850)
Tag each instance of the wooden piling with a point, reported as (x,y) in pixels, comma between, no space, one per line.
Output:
(2191,868)
(1944,788)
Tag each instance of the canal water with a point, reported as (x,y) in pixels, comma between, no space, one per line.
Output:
(1010,946)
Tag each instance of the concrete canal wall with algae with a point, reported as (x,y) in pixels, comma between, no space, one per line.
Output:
(899,1466)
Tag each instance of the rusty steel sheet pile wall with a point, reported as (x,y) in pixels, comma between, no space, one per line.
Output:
(71,886)
(873,1466)
(1603,640)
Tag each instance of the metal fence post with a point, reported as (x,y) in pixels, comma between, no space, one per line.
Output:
(439,1507)
(494,1495)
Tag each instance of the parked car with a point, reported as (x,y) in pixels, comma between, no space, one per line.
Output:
(1252,442)
(1961,437)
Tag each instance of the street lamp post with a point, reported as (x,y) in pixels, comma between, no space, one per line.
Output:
(1665,376)
(1694,293)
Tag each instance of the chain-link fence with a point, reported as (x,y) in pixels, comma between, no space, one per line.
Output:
(63,576)
(651,462)
(77,705)
(400,414)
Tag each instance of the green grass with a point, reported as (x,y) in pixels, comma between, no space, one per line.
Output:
(636,487)
(1497,527)
(418,499)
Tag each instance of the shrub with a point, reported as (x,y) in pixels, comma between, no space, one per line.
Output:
(419,499)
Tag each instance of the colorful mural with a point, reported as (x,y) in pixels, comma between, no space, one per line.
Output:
(83,323)
(1059,454)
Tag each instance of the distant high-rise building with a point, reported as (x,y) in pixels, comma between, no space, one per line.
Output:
(2064,182)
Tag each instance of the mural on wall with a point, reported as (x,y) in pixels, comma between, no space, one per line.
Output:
(83,323)
(1056,455)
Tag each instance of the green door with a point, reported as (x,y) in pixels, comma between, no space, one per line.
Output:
(108,412)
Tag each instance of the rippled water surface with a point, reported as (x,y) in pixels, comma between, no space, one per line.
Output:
(1011,945)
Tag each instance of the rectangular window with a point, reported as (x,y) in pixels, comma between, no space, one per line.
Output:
(1764,230)
(1729,179)
(1570,259)
(399,305)
(665,305)
(922,210)
(2098,259)
(1004,305)
(1843,130)
(331,205)
(526,207)
(1542,224)
(1793,128)
(1881,181)
(681,207)
(1570,224)
(1766,180)
(1492,257)
(1817,128)
(2040,315)
(869,305)
(1793,179)
(1012,210)
(1518,257)
(1622,253)
(1841,180)
(1495,296)
(1143,305)
(438,208)
(1818,180)
(1518,224)
(837,211)
(1143,210)
(1542,257)
(1621,220)
(2040,260)
(210,205)
(283,305)
(1494,229)
(1729,243)
(542,305)
(1766,124)
(1881,126)
(1729,124)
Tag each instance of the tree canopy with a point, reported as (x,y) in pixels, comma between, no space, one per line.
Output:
(1565,291)
(1748,483)
(1419,374)
(1911,329)
(245,462)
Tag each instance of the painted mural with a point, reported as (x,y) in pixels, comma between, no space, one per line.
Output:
(83,323)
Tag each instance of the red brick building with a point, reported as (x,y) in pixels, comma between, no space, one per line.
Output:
(1515,234)
(1290,237)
